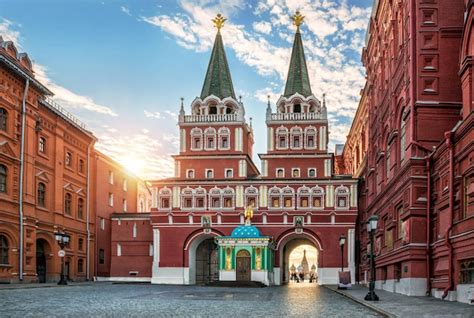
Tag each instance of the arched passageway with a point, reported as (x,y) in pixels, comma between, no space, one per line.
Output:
(206,262)
(297,245)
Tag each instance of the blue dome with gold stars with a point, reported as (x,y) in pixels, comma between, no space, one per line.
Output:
(245,231)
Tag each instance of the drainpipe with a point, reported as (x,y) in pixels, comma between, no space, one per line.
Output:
(22,163)
(428,225)
(88,214)
(449,143)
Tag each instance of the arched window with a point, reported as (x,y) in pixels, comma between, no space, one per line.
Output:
(42,145)
(3,119)
(215,198)
(210,138)
(80,244)
(68,159)
(317,197)
(80,265)
(224,138)
(296,138)
(280,173)
(165,198)
(251,196)
(196,139)
(303,194)
(80,208)
(342,197)
(67,203)
(229,173)
(187,198)
(3,250)
(403,131)
(190,174)
(310,137)
(311,172)
(282,138)
(81,168)
(3,178)
(288,197)
(228,198)
(200,198)
(209,173)
(274,198)
(41,194)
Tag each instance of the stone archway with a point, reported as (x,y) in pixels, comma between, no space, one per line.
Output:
(206,263)
(286,250)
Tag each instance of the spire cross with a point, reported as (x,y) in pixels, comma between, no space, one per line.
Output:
(297,20)
(219,21)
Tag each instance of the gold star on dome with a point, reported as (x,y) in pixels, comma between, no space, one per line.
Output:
(219,21)
(297,20)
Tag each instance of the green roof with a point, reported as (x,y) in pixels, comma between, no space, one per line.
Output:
(218,81)
(298,79)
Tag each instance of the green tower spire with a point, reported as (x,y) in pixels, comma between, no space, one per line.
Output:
(298,79)
(218,81)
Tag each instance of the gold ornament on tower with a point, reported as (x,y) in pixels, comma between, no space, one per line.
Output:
(248,214)
(297,20)
(219,21)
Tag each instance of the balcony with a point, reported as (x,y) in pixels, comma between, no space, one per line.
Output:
(211,118)
(295,116)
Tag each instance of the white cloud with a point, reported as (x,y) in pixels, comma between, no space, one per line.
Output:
(262,27)
(8,33)
(125,10)
(156,115)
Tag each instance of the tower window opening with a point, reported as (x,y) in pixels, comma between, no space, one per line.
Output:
(212,110)
(297,108)
(228,110)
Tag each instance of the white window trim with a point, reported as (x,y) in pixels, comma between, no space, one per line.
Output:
(211,196)
(226,196)
(193,135)
(346,195)
(111,177)
(277,134)
(276,173)
(162,195)
(183,197)
(315,135)
(187,174)
(315,173)
(198,196)
(210,132)
(299,195)
(251,195)
(296,131)
(285,196)
(299,172)
(207,170)
(224,132)
(271,196)
(322,196)
(231,172)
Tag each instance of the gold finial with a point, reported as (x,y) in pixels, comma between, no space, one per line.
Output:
(219,21)
(297,20)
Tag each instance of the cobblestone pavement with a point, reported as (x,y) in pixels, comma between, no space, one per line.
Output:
(397,305)
(145,300)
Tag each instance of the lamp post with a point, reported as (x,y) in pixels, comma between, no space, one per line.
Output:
(63,240)
(342,241)
(371,228)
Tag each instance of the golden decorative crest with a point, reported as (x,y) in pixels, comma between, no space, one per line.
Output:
(248,213)
(219,21)
(297,19)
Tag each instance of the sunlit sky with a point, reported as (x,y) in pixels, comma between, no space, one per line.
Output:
(122,66)
(296,255)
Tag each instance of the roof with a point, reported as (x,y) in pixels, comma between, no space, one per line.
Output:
(218,81)
(298,79)
(245,231)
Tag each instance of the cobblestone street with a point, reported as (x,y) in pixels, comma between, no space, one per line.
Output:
(120,300)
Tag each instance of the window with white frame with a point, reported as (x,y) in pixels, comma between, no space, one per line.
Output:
(288,195)
(317,197)
(210,138)
(274,198)
(190,173)
(196,139)
(165,198)
(229,173)
(251,196)
(312,172)
(304,195)
(187,198)
(111,199)
(42,145)
(111,177)
(215,197)
(124,203)
(296,134)
(224,138)
(209,173)
(228,198)
(200,198)
(280,172)
(125,185)
(310,137)
(295,172)
(282,138)
(342,197)
(102,223)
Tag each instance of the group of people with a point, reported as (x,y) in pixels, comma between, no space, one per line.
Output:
(300,277)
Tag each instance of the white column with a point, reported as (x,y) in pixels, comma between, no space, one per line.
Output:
(351,253)
(156,246)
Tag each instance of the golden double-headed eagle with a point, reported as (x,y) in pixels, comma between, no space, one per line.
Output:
(248,213)
(219,21)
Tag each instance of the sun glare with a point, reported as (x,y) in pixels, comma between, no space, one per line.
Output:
(133,164)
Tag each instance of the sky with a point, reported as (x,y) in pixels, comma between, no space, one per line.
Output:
(122,66)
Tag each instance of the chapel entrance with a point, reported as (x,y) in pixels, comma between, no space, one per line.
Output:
(206,262)
(41,260)
(243,266)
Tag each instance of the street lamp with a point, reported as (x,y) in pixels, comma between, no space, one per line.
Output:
(63,240)
(371,228)
(342,241)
